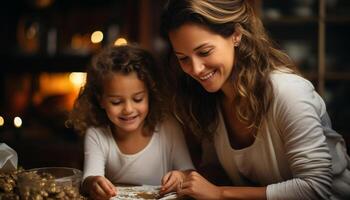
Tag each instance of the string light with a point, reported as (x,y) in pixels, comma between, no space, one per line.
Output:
(17,122)
(120,41)
(96,37)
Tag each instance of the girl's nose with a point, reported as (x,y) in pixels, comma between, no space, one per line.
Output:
(127,107)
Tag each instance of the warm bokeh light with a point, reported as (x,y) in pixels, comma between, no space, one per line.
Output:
(96,37)
(2,121)
(43,3)
(120,41)
(32,31)
(56,84)
(17,121)
(77,78)
(77,41)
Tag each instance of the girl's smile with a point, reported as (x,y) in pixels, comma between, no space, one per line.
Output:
(125,100)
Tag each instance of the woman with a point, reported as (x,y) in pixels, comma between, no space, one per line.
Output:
(270,128)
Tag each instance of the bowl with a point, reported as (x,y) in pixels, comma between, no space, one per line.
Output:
(50,182)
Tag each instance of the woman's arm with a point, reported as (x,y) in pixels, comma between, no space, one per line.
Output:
(198,187)
(296,113)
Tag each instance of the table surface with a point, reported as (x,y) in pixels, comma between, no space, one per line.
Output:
(139,193)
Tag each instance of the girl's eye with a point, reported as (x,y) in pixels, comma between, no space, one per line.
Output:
(115,102)
(137,100)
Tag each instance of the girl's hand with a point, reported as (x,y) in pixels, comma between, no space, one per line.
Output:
(99,188)
(170,181)
(198,187)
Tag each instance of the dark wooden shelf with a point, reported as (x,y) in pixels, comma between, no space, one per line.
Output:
(290,20)
(338,19)
(37,63)
(329,76)
(341,76)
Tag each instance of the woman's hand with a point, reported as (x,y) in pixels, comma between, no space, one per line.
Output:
(171,180)
(99,188)
(198,187)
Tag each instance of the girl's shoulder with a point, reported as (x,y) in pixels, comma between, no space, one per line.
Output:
(168,122)
(101,133)
(169,127)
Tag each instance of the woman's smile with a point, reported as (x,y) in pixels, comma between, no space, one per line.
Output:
(207,76)
(204,55)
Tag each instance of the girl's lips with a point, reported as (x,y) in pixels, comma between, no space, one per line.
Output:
(127,119)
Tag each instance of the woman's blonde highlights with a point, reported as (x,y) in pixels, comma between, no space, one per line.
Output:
(255,58)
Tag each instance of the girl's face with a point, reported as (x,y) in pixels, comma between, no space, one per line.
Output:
(204,55)
(125,100)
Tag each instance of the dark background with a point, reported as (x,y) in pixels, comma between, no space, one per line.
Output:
(43,41)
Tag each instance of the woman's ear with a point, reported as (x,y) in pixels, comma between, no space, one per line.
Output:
(237,35)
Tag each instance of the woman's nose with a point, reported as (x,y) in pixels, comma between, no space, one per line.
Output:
(197,66)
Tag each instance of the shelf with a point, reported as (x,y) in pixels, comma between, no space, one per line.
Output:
(341,76)
(338,19)
(329,76)
(61,63)
(290,20)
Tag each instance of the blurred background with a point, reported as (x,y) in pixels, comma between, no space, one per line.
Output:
(47,44)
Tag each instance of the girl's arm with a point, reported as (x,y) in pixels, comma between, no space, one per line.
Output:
(177,153)
(94,183)
(98,187)
(172,180)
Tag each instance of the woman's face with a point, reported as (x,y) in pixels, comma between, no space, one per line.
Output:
(125,100)
(206,56)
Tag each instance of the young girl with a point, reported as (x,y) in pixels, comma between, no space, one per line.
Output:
(270,128)
(128,138)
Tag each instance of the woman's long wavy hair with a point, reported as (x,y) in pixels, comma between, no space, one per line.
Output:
(117,59)
(255,57)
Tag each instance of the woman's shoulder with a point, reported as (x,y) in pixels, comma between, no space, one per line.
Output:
(289,84)
(295,93)
(285,79)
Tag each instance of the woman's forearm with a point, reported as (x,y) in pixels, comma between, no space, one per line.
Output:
(243,193)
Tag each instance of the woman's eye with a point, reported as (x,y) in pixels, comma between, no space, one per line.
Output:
(182,59)
(204,53)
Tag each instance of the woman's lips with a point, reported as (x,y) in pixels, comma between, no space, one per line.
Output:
(207,76)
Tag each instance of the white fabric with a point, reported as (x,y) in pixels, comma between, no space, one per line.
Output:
(166,151)
(291,154)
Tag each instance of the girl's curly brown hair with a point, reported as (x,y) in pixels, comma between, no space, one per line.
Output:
(116,59)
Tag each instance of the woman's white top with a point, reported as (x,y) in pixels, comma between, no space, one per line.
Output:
(166,151)
(296,154)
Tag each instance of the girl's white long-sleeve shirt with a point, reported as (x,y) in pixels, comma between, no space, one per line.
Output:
(166,151)
(296,154)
